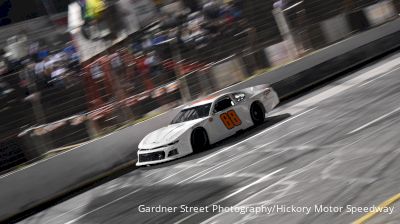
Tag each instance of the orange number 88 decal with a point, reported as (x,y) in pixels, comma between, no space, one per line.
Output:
(230,119)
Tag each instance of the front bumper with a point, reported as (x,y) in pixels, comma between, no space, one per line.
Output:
(149,157)
(159,155)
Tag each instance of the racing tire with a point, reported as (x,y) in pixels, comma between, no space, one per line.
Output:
(257,113)
(199,140)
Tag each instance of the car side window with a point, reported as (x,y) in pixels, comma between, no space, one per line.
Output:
(239,97)
(223,104)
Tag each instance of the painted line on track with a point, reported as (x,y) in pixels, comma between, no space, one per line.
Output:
(374,121)
(381,76)
(372,214)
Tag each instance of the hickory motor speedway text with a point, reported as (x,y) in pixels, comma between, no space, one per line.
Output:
(267,209)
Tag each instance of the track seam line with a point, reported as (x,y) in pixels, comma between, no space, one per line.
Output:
(374,121)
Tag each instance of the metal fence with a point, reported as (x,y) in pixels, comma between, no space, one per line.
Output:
(125,85)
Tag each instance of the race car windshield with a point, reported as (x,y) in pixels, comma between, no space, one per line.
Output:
(192,113)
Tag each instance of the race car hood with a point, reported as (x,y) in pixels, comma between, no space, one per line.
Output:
(167,135)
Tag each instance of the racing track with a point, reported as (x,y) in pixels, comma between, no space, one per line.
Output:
(337,145)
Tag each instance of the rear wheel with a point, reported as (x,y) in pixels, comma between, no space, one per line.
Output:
(257,113)
(199,140)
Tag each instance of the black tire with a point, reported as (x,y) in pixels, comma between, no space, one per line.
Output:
(257,113)
(199,140)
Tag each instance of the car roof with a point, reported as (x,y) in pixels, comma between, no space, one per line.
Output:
(205,100)
(211,98)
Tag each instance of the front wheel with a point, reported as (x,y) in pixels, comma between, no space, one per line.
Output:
(257,113)
(199,140)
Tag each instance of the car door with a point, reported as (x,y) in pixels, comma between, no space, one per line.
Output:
(242,108)
(225,119)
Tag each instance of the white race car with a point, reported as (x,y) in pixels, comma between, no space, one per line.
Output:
(206,122)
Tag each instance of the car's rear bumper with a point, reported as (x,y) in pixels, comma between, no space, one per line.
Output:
(275,99)
(271,100)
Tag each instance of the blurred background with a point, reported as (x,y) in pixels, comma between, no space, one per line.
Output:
(72,71)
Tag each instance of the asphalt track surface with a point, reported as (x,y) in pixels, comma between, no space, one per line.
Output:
(338,145)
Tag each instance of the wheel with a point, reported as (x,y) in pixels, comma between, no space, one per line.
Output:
(199,140)
(257,113)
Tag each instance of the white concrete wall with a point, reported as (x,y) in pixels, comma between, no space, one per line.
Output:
(335,28)
(228,72)
(278,54)
(380,12)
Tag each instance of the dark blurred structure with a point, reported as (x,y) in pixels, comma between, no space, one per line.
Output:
(397,3)
(13,11)
(193,5)
(55,6)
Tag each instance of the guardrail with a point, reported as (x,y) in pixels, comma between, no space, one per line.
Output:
(50,178)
